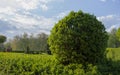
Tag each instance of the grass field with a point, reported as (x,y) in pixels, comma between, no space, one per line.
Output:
(43,64)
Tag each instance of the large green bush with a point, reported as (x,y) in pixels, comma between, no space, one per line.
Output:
(78,38)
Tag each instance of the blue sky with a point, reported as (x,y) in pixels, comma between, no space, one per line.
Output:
(36,16)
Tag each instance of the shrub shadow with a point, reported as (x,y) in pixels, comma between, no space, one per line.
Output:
(109,67)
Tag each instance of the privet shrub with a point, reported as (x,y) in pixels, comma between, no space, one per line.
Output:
(78,38)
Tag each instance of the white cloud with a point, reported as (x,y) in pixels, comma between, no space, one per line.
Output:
(25,4)
(30,22)
(44,7)
(108,17)
(7,10)
(62,14)
(110,21)
(10,31)
(112,27)
(17,15)
(18,11)
(28,4)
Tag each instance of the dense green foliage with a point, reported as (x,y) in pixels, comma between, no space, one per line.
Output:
(113,41)
(24,64)
(118,33)
(113,54)
(78,38)
(2,39)
(43,64)
(112,65)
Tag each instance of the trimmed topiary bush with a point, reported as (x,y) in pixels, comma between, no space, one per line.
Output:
(78,38)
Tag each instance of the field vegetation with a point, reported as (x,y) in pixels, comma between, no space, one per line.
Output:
(44,64)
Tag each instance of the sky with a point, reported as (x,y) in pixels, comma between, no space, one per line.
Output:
(37,16)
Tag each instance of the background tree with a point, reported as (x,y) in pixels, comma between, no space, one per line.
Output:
(118,36)
(78,38)
(42,40)
(30,42)
(118,33)
(2,40)
(113,41)
(25,43)
(16,43)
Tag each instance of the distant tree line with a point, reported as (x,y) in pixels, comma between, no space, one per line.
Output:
(29,43)
(114,38)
